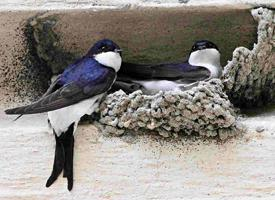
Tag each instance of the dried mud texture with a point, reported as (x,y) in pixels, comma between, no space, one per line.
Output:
(249,78)
(205,110)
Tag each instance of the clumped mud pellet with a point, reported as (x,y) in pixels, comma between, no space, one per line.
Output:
(249,78)
(205,110)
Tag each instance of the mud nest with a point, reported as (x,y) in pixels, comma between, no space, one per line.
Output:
(206,110)
(249,78)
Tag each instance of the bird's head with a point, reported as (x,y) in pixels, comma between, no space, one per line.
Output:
(107,53)
(204,52)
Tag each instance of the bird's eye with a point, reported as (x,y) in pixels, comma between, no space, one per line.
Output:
(103,48)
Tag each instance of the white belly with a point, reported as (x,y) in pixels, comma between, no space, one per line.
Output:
(62,118)
(215,71)
(158,85)
(164,85)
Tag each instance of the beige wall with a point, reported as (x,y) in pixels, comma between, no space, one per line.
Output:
(72,4)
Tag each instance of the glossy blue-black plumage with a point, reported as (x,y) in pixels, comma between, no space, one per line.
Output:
(168,71)
(87,69)
(83,79)
(108,45)
(203,44)
(84,71)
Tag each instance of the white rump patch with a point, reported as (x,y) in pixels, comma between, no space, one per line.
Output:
(62,118)
(161,85)
(109,59)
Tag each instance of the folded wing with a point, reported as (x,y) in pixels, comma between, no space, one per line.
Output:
(169,71)
(69,94)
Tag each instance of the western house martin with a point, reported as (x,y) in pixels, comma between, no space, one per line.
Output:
(75,92)
(203,64)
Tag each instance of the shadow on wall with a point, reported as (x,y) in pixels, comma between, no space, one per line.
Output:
(158,35)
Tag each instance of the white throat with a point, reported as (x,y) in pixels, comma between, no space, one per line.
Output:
(109,59)
(208,58)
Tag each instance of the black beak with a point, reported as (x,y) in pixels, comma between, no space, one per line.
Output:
(118,50)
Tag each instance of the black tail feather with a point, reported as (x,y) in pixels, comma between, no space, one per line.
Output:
(63,158)
(58,164)
(68,165)
(18,117)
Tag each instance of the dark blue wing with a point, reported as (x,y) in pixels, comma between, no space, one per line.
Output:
(85,79)
(168,71)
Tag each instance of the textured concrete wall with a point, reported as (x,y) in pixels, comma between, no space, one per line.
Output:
(76,4)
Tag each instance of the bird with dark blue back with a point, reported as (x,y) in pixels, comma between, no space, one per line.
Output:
(203,64)
(76,92)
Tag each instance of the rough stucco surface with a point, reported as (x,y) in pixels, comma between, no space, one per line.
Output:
(203,110)
(249,78)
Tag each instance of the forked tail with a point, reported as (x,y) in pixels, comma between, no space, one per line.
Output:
(63,159)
